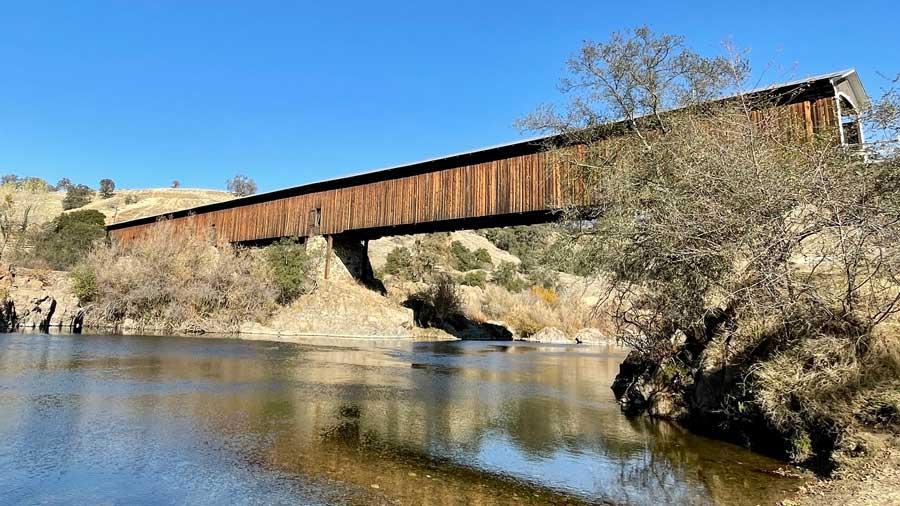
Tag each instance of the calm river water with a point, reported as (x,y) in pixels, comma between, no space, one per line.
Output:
(164,420)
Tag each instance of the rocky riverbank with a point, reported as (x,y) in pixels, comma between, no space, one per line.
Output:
(874,482)
(37,299)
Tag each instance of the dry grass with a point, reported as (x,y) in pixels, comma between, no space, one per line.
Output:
(175,284)
(131,204)
(822,391)
(530,311)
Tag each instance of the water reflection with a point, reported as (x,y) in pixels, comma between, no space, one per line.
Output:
(162,420)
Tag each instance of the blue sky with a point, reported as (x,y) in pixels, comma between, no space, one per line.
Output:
(147,91)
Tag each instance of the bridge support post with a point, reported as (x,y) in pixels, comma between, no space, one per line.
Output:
(329,248)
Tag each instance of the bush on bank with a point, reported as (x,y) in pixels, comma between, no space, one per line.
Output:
(66,240)
(172,284)
(289,268)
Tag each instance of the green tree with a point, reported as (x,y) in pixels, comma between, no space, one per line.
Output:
(107,188)
(290,269)
(64,184)
(399,262)
(67,239)
(77,196)
(507,275)
(474,278)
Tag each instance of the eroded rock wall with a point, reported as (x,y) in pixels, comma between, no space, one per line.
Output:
(37,299)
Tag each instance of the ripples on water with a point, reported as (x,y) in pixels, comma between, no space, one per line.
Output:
(162,420)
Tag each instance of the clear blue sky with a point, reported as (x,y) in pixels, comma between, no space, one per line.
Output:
(148,91)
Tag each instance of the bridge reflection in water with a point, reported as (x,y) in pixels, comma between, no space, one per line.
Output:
(358,422)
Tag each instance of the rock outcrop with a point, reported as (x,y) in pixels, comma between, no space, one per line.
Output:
(593,336)
(586,336)
(339,308)
(550,335)
(37,299)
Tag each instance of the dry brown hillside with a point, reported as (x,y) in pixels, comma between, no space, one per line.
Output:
(130,204)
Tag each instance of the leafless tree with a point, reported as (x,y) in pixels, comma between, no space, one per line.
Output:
(241,185)
(719,227)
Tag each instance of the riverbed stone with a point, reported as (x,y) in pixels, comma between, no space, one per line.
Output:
(592,336)
(550,335)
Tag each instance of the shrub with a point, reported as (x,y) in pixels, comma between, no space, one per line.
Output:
(547,295)
(418,263)
(462,258)
(528,243)
(289,267)
(77,196)
(107,188)
(66,240)
(241,185)
(507,276)
(64,184)
(34,185)
(174,283)
(544,277)
(483,257)
(530,311)
(131,199)
(399,262)
(475,278)
(437,304)
(84,283)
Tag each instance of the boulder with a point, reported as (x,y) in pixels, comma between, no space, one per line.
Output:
(37,313)
(550,335)
(41,299)
(593,336)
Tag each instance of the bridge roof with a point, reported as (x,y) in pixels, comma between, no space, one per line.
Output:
(822,85)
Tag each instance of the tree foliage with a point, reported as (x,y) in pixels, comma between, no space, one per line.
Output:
(77,196)
(67,239)
(721,229)
(464,259)
(107,188)
(289,267)
(438,304)
(63,185)
(241,185)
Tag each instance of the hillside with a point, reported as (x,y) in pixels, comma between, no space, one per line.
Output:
(131,204)
(503,276)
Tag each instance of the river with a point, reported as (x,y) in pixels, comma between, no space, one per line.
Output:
(168,420)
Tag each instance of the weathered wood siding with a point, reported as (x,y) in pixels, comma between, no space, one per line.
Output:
(500,187)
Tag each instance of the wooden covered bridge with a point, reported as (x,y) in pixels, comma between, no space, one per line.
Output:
(499,186)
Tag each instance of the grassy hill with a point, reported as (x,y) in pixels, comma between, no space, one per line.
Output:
(131,204)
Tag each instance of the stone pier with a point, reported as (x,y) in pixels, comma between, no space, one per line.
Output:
(346,259)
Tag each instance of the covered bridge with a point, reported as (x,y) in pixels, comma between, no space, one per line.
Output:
(503,185)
